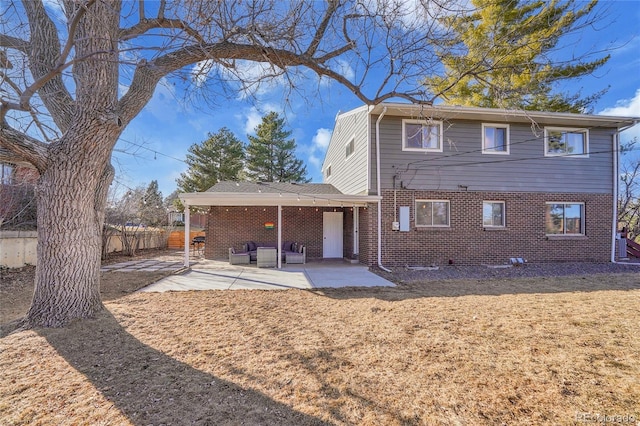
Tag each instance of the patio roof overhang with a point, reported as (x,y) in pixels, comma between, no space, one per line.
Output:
(205,199)
(302,199)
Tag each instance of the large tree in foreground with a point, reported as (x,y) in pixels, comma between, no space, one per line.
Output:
(502,56)
(73,79)
(271,155)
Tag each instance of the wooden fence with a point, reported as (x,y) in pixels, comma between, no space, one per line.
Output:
(176,238)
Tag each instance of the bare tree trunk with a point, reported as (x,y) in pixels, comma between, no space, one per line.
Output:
(71,202)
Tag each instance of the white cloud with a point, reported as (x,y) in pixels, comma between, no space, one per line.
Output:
(416,15)
(200,72)
(322,138)
(253,116)
(319,144)
(627,108)
(252,78)
(252,119)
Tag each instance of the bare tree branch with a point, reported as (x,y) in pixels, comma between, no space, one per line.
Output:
(24,148)
(322,28)
(14,43)
(43,57)
(146,25)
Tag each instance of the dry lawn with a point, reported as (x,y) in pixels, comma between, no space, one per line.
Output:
(528,351)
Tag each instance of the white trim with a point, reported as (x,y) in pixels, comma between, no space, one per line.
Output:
(564,233)
(430,123)
(415,219)
(324,172)
(486,150)
(497,114)
(585,132)
(279,249)
(356,231)
(616,174)
(274,199)
(504,213)
(379,190)
(350,141)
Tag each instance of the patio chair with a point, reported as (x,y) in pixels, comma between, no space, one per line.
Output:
(238,258)
(297,257)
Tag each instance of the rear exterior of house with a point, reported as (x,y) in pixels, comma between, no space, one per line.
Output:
(478,186)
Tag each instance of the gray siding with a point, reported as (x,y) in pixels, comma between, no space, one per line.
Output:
(462,164)
(348,175)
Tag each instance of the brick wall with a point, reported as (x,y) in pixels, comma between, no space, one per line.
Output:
(368,236)
(467,242)
(234,226)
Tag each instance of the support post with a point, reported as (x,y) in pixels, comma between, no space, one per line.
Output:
(187,240)
(279,250)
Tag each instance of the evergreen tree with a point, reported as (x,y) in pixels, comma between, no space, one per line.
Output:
(502,56)
(219,157)
(271,155)
(151,206)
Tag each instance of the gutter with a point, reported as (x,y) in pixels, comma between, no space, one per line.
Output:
(379,190)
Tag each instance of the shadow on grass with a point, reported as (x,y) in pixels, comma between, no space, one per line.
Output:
(150,387)
(489,287)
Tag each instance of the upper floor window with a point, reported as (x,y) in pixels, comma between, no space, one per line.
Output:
(493,214)
(327,172)
(564,219)
(350,147)
(6,173)
(432,213)
(421,135)
(570,142)
(495,138)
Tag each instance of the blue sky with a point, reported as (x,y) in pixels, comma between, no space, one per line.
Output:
(154,144)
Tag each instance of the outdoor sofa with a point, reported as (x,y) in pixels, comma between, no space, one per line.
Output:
(292,252)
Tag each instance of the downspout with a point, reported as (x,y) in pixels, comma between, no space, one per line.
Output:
(379,190)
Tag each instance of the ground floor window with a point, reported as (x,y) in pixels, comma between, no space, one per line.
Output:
(564,218)
(432,213)
(493,214)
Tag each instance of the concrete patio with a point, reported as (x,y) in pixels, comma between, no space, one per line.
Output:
(219,275)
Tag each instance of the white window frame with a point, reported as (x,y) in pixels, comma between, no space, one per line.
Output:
(327,172)
(564,218)
(437,124)
(7,171)
(485,149)
(352,143)
(585,132)
(504,213)
(448,225)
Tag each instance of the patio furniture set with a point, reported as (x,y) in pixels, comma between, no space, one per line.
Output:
(265,255)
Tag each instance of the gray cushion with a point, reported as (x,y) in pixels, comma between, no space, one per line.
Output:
(252,246)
